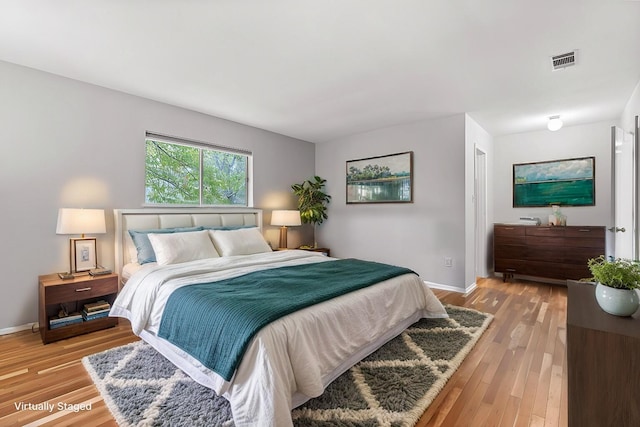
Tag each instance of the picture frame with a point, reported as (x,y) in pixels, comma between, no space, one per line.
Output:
(83,254)
(565,182)
(380,179)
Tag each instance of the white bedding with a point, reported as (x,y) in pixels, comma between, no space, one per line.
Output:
(293,358)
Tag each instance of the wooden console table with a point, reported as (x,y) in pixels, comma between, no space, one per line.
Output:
(603,361)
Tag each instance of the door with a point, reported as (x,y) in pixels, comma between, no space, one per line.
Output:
(480,168)
(624,174)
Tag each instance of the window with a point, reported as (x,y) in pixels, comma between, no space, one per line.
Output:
(182,172)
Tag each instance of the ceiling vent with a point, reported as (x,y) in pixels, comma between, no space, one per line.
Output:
(562,61)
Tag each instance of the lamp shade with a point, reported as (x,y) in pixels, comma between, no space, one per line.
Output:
(81,221)
(286,218)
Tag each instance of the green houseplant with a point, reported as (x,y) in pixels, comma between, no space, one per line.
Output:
(616,284)
(312,202)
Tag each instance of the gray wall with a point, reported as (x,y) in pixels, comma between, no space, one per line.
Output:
(569,142)
(417,235)
(70,144)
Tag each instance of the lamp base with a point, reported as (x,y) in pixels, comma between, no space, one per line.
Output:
(66,276)
(283,237)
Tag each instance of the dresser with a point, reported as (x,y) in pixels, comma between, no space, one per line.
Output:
(603,366)
(546,251)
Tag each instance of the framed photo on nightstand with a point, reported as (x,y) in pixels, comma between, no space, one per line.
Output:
(83,256)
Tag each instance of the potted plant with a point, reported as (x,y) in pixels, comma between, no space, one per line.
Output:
(616,284)
(312,202)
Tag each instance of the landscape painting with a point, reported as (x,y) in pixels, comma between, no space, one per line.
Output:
(569,182)
(383,179)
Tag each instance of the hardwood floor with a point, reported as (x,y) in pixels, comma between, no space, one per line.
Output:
(515,376)
(33,373)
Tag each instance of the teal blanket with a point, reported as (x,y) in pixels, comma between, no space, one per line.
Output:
(214,322)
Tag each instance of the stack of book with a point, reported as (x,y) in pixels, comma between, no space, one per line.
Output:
(58,322)
(96,310)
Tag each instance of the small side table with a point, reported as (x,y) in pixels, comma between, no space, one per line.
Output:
(74,293)
(325,251)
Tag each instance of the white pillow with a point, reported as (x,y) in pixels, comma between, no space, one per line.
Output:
(173,248)
(244,241)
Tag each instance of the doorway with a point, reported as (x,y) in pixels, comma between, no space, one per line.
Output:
(480,199)
(624,170)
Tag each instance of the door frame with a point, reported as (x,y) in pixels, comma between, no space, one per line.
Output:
(480,212)
(611,243)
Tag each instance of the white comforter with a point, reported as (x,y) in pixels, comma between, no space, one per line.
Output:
(295,357)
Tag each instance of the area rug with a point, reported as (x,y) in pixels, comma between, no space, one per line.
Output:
(391,387)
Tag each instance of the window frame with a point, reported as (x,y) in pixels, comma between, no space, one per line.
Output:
(202,147)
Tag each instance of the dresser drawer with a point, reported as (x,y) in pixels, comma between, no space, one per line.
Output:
(505,251)
(586,232)
(508,235)
(580,255)
(509,230)
(545,241)
(546,231)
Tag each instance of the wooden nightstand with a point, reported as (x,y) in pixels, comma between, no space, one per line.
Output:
(325,251)
(74,293)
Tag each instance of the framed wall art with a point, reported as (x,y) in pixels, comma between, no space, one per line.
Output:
(567,182)
(83,254)
(383,179)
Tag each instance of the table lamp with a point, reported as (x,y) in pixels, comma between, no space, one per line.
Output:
(285,218)
(79,221)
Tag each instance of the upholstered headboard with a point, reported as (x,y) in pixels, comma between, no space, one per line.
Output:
(152,218)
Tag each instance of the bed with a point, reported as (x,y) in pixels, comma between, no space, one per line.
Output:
(289,359)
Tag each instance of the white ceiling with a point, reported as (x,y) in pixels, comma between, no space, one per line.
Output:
(324,69)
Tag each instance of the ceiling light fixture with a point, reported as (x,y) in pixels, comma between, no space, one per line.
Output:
(554,123)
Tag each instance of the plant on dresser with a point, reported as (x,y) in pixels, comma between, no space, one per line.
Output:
(616,284)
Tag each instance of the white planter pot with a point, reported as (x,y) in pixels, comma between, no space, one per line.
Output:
(620,302)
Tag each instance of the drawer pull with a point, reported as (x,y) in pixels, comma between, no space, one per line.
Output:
(508,228)
(510,269)
(583,230)
(83,289)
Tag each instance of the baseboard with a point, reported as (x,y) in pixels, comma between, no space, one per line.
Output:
(29,326)
(445,287)
(471,288)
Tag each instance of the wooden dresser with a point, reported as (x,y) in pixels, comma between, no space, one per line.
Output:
(546,251)
(603,366)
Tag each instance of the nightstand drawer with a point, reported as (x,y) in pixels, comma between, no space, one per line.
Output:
(80,290)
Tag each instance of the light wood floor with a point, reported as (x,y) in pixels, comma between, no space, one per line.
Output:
(515,376)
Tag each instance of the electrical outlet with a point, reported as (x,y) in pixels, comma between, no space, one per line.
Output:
(448,261)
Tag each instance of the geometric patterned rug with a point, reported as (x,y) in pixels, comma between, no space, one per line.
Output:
(391,387)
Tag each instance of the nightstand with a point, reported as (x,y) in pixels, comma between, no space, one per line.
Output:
(325,251)
(74,293)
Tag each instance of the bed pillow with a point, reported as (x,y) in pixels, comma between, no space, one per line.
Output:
(144,249)
(244,241)
(173,248)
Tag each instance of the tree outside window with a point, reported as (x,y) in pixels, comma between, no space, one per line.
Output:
(184,174)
